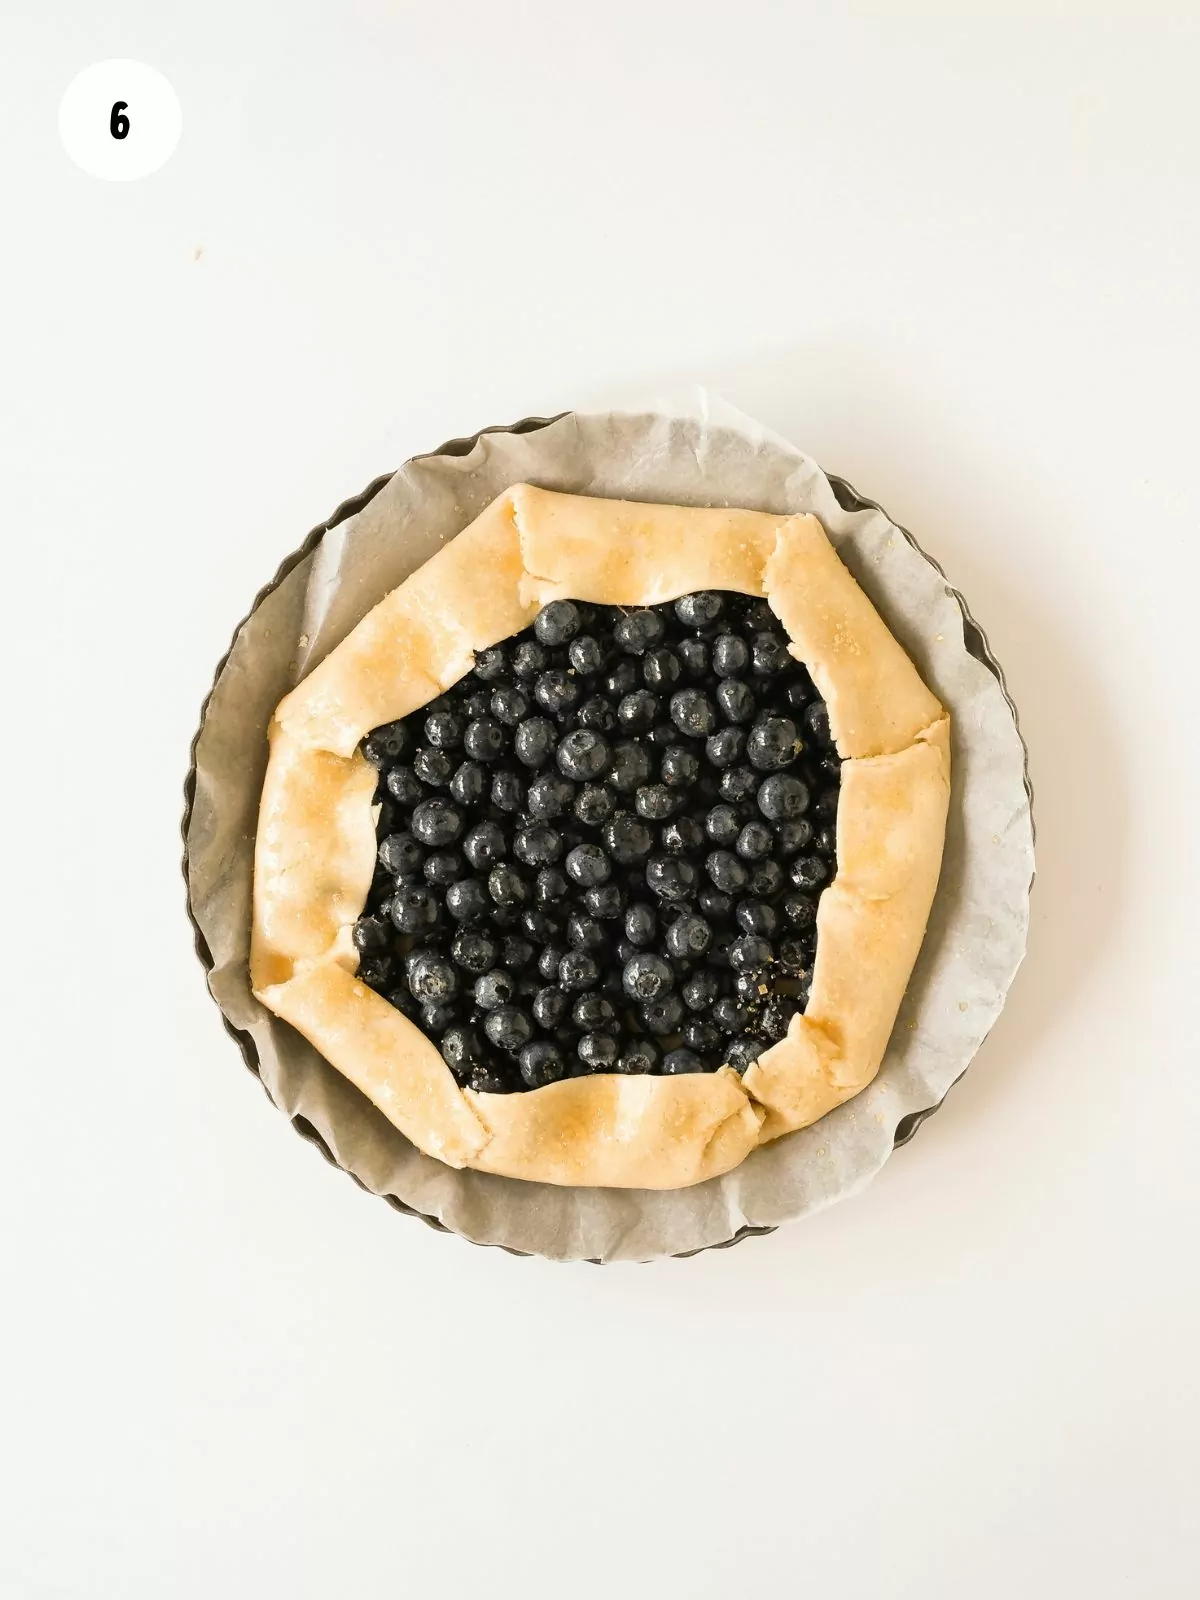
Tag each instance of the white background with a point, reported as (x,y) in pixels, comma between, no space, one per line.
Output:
(951,250)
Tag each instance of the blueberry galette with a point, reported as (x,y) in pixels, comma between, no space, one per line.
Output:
(601,850)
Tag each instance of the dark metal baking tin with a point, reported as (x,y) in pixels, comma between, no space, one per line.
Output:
(848,498)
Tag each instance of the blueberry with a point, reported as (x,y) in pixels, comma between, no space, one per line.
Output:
(557,622)
(622,680)
(640,1056)
(743,1051)
(729,1015)
(443,867)
(701,1036)
(816,721)
(538,845)
(656,802)
(605,900)
(430,977)
(548,960)
(516,953)
(699,610)
(773,743)
(484,739)
(462,1049)
(509,705)
(637,711)
(529,659)
(769,654)
(594,804)
(681,1060)
(488,1078)
(800,690)
(630,767)
(484,845)
(766,879)
(413,908)
(693,713)
(794,955)
(376,972)
(730,655)
(670,877)
(474,951)
(715,903)
(508,1028)
(800,911)
(577,970)
(700,990)
(662,1016)
(756,917)
(433,767)
(638,631)
(404,786)
(549,796)
(594,1014)
(754,841)
(661,669)
(586,655)
(689,936)
(694,655)
(736,700)
(824,807)
(682,836)
(584,755)
(533,742)
(468,783)
(782,797)
(444,729)
(588,865)
(738,783)
(808,872)
(641,924)
(726,871)
(722,825)
(550,1006)
(465,901)
(507,887)
(551,886)
(825,842)
(541,1063)
(371,933)
(726,748)
(556,691)
(775,1016)
(597,1051)
(646,976)
(491,665)
(401,855)
(757,616)
(585,933)
(540,926)
(507,791)
(679,766)
(494,988)
(595,712)
(751,953)
(626,838)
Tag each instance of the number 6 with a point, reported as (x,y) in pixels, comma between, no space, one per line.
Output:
(118,124)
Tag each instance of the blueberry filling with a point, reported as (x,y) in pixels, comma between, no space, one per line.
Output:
(602,850)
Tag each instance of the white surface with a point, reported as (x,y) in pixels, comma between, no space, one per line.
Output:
(952,251)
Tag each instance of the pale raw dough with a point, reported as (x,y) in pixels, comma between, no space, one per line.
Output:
(315,848)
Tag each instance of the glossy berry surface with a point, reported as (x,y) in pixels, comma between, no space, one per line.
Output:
(602,850)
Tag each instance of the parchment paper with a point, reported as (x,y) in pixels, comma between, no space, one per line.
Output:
(697,453)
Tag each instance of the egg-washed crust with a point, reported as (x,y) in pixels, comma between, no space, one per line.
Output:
(316,836)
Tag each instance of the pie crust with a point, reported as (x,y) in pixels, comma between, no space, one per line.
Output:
(315,849)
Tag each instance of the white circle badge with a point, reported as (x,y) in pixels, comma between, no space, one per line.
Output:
(120,120)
